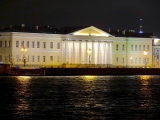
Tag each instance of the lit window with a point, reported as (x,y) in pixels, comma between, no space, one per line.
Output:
(58,59)
(123,47)
(5,43)
(135,47)
(38,44)
(122,60)
(32,44)
(58,45)
(17,43)
(38,58)
(147,60)
(139,60)
(51,58)
(44,59)
(117,60)
(139,47)
(44,44)
(28,58)
(51,45)
(131,60)
(27,44)
(147,47)
(33,58)
(9,43)
(22,44)
(0,43)
(131,47)
(143,47)
(117,47)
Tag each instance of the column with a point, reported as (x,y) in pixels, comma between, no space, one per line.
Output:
(98,56)
(92,62)
(104,62)
(86,56)
(73,59)
(66,51)
(110,52)
(80,60)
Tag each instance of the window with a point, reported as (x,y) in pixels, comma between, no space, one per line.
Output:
(147,60)
(17,43)
(139,47)
(5,43)
(131,60)
(38,44)
(131,47)
(123,47)
(44,58)
(0,43)
(38,58)
(22,44)
(51,45)
(28,58)
(51,58)
(117,47)
(117,60)
(32,44)
(0,57)
(147,47)
(135,47)
(44,44)
(9,58)
(143,47)
(17,58)
(33,58)
(58,45)
(9,44)
(135,60)
(5,58)
(27,44)
(58,58)
(122,60)
(139,60)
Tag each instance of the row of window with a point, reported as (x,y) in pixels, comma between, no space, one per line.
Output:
(38,44)
(7,58)
(134,61)
(136,48)
(6,44)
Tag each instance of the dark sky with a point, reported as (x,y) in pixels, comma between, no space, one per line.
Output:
(114,14)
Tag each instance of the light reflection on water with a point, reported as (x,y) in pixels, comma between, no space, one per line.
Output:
(80,97)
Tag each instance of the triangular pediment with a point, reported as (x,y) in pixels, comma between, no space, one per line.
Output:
(91,31)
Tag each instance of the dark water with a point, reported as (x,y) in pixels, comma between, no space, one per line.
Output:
(80,97)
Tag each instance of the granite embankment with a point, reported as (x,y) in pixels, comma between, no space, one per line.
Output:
(85,71)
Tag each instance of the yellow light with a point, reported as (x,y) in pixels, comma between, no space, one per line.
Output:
(89,51)
(23,78)
(145,52)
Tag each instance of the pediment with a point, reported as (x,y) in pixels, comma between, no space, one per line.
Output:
(91,31)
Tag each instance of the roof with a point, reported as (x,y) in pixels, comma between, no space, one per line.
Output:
(72,29)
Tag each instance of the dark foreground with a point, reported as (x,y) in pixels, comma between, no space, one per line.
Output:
(84,71)
(80,97)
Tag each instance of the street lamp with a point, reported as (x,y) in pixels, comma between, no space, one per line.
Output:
(89,53)
(24,56)
(145,58)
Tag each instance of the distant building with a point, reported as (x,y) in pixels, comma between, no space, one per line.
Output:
(74,47)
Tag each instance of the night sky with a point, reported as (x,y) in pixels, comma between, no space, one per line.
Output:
(105,14)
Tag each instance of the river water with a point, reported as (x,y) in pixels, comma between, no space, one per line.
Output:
(80,97)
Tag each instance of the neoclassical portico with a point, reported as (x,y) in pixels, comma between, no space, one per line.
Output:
(76,46)
(76,52)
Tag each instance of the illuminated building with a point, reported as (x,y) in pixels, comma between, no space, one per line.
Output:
(69,46)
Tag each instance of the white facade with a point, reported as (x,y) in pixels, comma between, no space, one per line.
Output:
(90,46)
